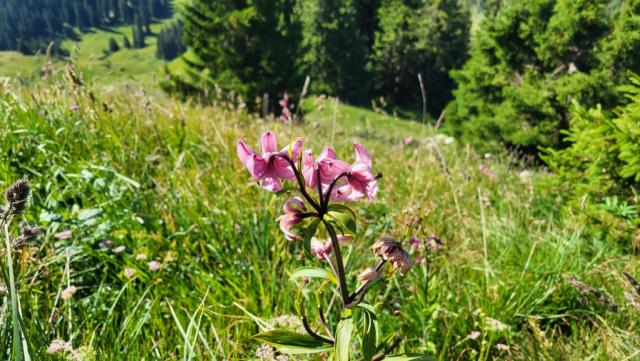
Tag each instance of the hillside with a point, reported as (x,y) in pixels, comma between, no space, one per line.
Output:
(162,180)
(137,66)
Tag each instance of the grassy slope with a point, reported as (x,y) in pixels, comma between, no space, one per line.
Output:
(138,66)
(162,178)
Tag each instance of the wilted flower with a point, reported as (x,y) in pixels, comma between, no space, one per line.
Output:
(16,195)
(270,167)
(293,209)
(59,346)
(264,352)
(368,274)
(129,272)
(68,292)
(391,250)
(63,235)
(141,256)
(154,266)
(119,249)
(321,249)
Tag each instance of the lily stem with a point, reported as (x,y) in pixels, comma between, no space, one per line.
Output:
(339,263)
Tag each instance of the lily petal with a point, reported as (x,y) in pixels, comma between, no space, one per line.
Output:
(268,142)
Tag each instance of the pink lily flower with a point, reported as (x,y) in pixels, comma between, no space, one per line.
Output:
(360,180)
(329,166)
(269,168)
(293,209)
(320,249)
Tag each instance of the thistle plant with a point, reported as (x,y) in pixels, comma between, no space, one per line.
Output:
(325,186)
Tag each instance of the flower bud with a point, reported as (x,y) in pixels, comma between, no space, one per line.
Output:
(391,250)
(368,274)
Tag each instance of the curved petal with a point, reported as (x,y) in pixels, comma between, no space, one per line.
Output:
(244,151)
(329,169)
(296,147)
(281,168)
(308,169)
(327,154)
(268,143)
(362,172)
(256,166)
(270,181)
(294,205)
(285,226)
(362,154)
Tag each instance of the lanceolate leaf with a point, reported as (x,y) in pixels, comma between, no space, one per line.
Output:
(291,342)
(345,222)
(308,234)
(313,272)
(343,339)
(369,333)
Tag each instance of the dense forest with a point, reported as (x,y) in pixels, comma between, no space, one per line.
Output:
(30,25)
(358,50)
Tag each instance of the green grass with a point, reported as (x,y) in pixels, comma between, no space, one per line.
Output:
(133,66)
(162,178)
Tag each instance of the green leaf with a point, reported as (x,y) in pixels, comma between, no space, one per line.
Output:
(313,272)
(344,221)
(292,342)
(308,235)
(343,339)
(369,332)
(409,357)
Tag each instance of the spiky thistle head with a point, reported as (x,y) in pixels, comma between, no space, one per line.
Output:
(16,196)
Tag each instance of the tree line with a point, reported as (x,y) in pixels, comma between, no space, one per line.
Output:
(358,50)
(29,26)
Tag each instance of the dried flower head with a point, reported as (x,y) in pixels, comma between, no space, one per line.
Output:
(391,250)
(27,233)
(68,292)
(16,196)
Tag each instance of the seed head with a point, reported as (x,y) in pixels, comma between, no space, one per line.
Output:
(16,196)
(27,233)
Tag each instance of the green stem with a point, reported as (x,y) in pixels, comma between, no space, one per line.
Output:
(17,334)
(339,264)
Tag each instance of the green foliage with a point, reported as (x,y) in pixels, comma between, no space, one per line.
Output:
(599,172)
(419,37)
(530,60)
(249,48)
(335,49)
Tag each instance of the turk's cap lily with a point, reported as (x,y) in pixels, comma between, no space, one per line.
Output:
(360,181)
(392,251)
(320,249)
(293,209)
(328,165)
(270,167)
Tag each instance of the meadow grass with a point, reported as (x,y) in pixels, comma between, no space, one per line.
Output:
(161,178)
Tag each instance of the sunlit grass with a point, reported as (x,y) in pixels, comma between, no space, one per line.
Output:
(162,178)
